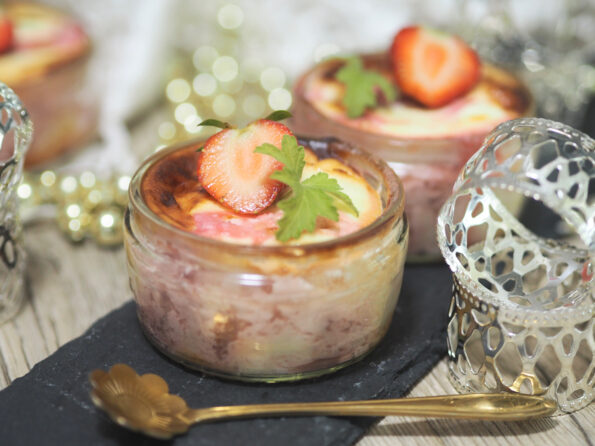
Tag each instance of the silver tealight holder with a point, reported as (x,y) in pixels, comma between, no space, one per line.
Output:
(522,313)
(15,136)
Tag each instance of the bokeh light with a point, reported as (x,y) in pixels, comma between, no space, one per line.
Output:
(230,16)
(204,57)
(272,78)
(225,68)
(178,90)
(280,99)
(224,105)
(183,111)
(204,84)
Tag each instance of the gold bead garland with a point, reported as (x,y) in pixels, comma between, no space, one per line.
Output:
(85,206)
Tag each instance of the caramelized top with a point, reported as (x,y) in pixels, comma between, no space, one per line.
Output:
(170,188)
(498,97)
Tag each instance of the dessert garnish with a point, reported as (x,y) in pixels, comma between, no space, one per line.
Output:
(233,174)
(313,197)
(433,67)
(362,87)
(246,169)
(6,33)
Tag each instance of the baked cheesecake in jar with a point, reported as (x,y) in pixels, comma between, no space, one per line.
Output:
(43,58)
(227,293)
(425,136)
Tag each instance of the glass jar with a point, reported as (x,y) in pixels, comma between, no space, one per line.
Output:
(15,134)
(426,162)
(272,313)
(47,69)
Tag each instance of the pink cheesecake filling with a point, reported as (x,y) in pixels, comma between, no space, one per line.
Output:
(259,229)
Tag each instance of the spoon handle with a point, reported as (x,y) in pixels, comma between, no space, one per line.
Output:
(502,407)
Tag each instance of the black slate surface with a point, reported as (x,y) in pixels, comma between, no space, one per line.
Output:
(51,404)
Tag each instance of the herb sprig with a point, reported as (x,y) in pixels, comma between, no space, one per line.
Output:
(361,87)
(313,197)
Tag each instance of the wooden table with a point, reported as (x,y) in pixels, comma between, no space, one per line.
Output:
(70,286)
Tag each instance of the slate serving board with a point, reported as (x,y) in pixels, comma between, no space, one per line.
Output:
(51,405)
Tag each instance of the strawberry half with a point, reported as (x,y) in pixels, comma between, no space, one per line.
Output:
(433,67)
(234,175)
(6,34)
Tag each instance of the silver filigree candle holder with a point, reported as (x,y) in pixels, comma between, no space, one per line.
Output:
(15,135)
(521,318)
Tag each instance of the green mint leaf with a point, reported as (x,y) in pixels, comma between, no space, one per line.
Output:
(300,212)
(361,87)
(200,149)
(278,115)
(309,199)
(216,123)
(323,182)
(292,157)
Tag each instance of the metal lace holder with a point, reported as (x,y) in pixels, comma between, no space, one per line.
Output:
(522,312)
(15,135)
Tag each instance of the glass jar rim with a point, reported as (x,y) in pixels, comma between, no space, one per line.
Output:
(393,209)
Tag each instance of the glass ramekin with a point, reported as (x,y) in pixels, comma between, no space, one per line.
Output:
(275,313)
(53,90)
(428,167)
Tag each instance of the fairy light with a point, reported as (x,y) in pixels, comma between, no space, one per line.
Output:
(204,84)
(87,179)
(107,220)
(225,68)
(24,191)
(230,16)
(73,210)
(191,124)
(204,57)
(123,183)
(272,78)
(47,178)
(183,111)
(280,99)
(178,90)
(74,225)
(69,184)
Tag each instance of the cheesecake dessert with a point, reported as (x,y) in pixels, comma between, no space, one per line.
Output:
(425,106)
(43,58)
(274,265)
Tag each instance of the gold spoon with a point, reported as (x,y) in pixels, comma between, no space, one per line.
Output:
(143,403)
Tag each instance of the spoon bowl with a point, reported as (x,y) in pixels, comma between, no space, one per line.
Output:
(144,404)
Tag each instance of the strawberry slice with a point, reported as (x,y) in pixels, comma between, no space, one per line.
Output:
(6,34)
(433,67)
(234,175)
